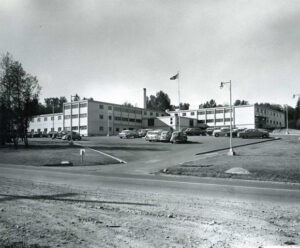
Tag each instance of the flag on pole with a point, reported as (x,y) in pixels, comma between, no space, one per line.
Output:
(175,76)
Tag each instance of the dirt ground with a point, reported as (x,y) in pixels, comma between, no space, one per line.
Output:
(45,215)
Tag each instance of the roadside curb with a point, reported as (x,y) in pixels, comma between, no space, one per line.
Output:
(223,149)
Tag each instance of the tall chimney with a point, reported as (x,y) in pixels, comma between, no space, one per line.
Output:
(145,99)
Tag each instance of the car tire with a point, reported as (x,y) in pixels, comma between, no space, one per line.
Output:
(264,136)
(217,135)
(69,138)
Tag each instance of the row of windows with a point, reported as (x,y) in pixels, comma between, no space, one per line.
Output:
(202,112)
(46,130)
(214,120)
(46,118)
(117,118)
(75,116)
(75,105)
(264,111)
(128,110)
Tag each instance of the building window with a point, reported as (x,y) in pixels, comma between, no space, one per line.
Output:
(59,129)
(109,117)
(219,120)
(52,118)
(209,120)
(110,129)
(39,119)
(124,119)
(219,111)
(74,127)
(162,115)
(117,129)
(32,130)
(83,127)
(59,117)
(201,112)
(201,121)
(132,120)
(210,112)
(138,120)
(157,114)
(192,113)
(45,130)
(227,111)
(74,116)
(67,106)
(183,114)
(100,128)
(74,105)
(83,115)
(145,112)
(101,116)
(109,107)
(83,105)
(101,106)
(67,117)
(45,118)
(227,119)
(151,113)
(52,129)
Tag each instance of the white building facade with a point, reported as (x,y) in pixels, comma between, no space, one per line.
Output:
(243,116)
(97,118)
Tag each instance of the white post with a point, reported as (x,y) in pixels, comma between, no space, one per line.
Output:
(108,124)
(53,115)
(178,102)
(71,141)
(231,151)
(287,119)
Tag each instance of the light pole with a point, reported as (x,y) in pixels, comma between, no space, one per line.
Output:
(71,134)
(231,151)
(287,119)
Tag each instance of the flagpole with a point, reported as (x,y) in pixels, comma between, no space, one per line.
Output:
(178,101)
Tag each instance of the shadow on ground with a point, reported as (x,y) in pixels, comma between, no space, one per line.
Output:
(57,197)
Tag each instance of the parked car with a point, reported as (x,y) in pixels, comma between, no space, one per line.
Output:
(153,135)
(165,136)
(178,137)
(222,132)
(75,136)
(127,134)
(194,131)
(60,134)
(143,132)
(52,134)
(253,133)
(209,131)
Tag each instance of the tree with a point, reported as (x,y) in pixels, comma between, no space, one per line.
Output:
(19,93)
(184,106)
(240,102)
(160,102)
(209,104)
(297,114)
(127,104)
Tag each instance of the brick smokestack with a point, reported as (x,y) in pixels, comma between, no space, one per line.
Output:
(145,98)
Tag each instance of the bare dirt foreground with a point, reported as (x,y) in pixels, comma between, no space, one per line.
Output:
(36,214)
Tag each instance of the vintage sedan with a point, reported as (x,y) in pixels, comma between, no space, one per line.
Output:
(178,137)
(153,135)
(165,136)
(127,134)
(253,133)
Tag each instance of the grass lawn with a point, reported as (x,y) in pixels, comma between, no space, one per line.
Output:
(275,161)
(50,152)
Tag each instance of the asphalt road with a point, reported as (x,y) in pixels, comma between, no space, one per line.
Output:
(144,157)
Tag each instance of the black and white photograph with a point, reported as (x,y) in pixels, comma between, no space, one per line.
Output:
(149,123)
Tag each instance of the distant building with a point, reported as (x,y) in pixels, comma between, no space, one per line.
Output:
(243,116)
(46,123)
(91,117)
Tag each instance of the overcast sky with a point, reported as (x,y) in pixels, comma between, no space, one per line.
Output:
(110,50)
